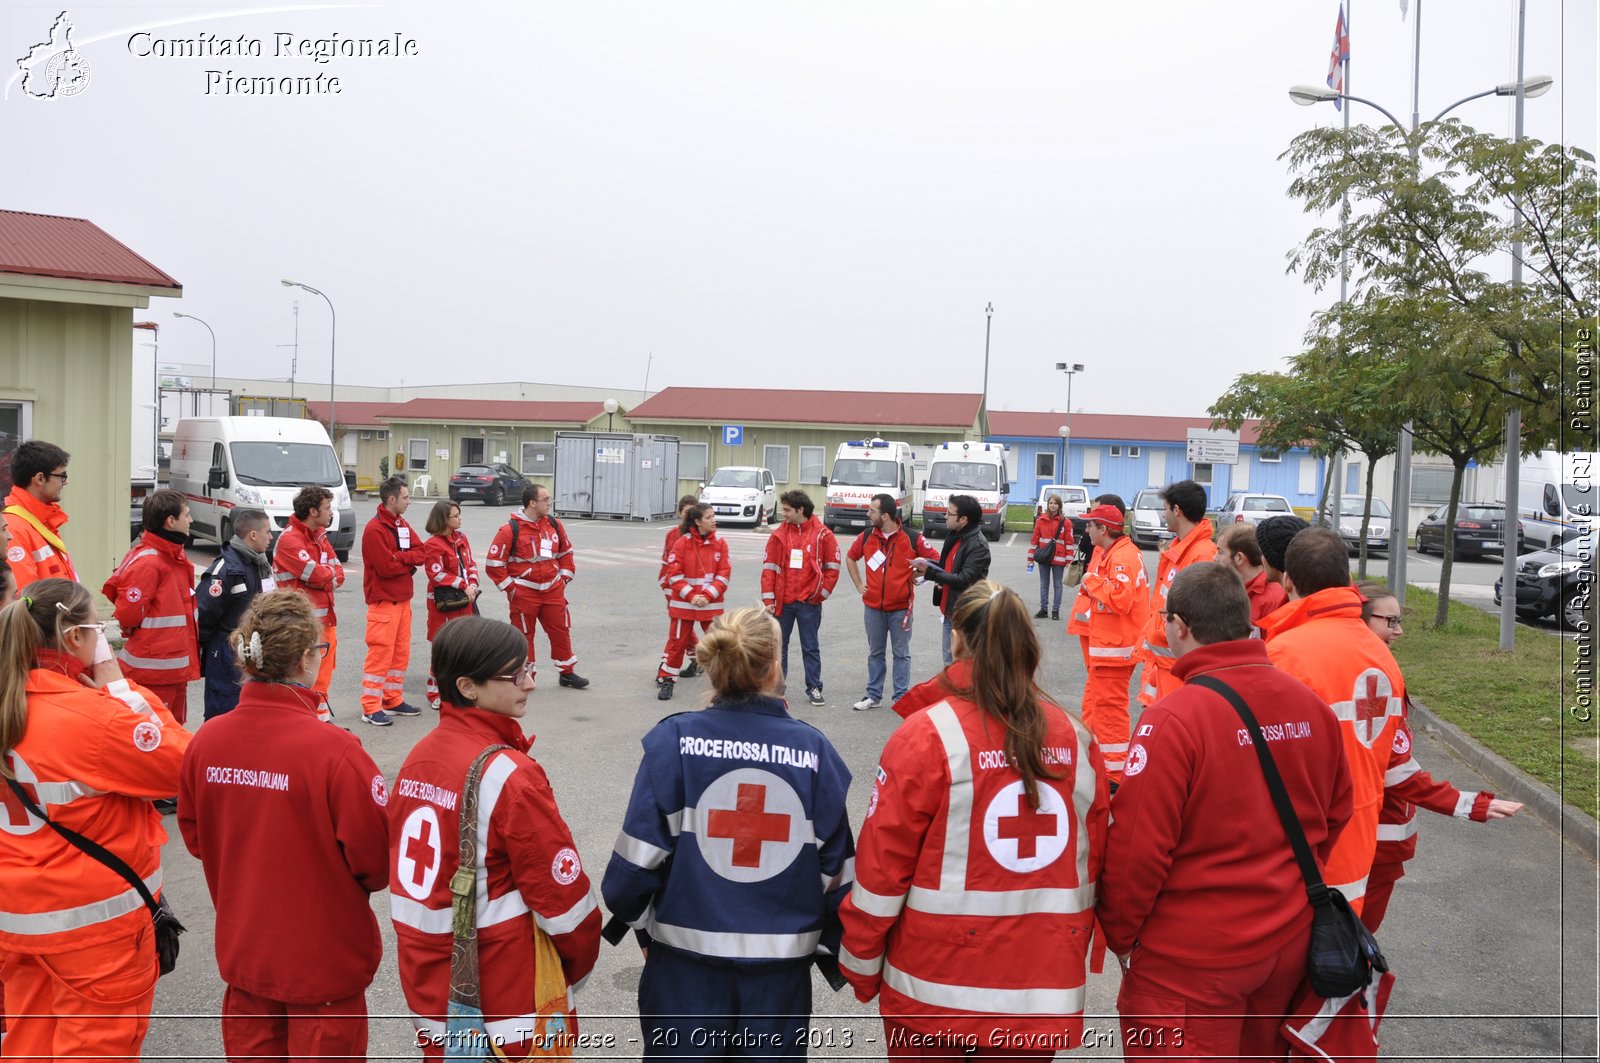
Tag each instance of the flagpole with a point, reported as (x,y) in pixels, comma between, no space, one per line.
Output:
(1400,520)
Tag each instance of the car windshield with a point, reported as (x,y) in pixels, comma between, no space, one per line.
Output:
(746,478)
(1260,504)
(963,476)
(1351,507)
(473,470)
(286,464)
(1580,498)
(865,472)
(1476,513)
(1149,500)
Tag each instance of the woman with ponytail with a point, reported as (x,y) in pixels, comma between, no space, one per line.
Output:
(984,836)
(695,577)
(287,816)
(89,750)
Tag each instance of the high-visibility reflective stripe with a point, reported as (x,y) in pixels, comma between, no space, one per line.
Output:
(1397,832)
(767,595)
(568,663)
(1160,651)
(826,594)
(368,678)
(531,585)
(152,664)
(124,692)
(31,923)
(847,873)
(43,553)
(876,903)
(639,853)
(770,567)
(958,819)
(1464,803)
(733,946)
(967,999)
(1001,903)
(419,916)
(62,793)
(1150,689)
(833,565)
(567,921)
(283,577)
(305,573)
(1351,890)
(1111,651)
(1113,747)
(674,579)
(721,579)
(319,612)
(709,607)
(1401,772)
(164,621)
(851,962)
(1081,616)
(675,822)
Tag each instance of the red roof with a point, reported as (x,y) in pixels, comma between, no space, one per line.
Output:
(497,411)
(43,245)
(1134,428)
(863,409)
(353,414)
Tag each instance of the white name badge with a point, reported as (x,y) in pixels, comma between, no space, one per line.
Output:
(268,585)
(875,562)
(405,537)
(797,558)
(546,548)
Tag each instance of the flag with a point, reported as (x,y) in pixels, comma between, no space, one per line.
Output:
(1339,56)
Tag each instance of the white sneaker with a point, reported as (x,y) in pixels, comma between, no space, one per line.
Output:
(868,702)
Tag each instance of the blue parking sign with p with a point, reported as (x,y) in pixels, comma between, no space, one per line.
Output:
(733,435)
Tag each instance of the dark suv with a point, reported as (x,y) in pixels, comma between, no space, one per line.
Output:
(491,484)
(1556,582)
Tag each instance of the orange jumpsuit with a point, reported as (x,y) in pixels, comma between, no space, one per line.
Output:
(1109,615)
(36,551)
(1198,545)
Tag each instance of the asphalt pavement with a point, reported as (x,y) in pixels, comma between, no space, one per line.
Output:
(1492,933)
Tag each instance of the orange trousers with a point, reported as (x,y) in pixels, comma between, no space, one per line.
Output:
(1156,683)
(1105,713)
(93,1001)
(330,635)
(383,676)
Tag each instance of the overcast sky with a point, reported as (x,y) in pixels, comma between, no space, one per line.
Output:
(757,193)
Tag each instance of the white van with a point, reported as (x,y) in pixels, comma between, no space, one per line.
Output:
(223,463)
(739,493)
(863,468)
(964,467)
(1558,495)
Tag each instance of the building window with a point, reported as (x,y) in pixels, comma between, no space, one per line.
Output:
(1116,450)
(538,459)
(16,426)
(1270,455)
(1430,486)
(692,461)
(383,433)
(811,464)
(776,458)
(416,453)
(1044,465)
(1133,452)
(1202,472)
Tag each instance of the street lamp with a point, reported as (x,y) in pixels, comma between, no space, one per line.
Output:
(333,324)
(191,317)
(1071,369)
(610,408)
(1522,88)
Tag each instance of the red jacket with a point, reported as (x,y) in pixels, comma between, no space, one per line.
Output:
(697,566)
(1408,787)
(1266,598)
(889,576)
(958,880)
(36,554)
(304,561)
(666,548)
(802,564)
(1198,867)
(527,863)
(91,759)
(391,553)
(538,570)
(956,676)
(153,592)
(287,817)
(1322,641)
(1059,529)
(449,562)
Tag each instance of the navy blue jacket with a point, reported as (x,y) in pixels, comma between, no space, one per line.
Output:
(736,847)
(225,591)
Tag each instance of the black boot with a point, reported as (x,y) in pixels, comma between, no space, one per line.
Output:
(1055,614)
(1041,614)
(665,692)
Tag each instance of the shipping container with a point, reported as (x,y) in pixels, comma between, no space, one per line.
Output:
(615,475)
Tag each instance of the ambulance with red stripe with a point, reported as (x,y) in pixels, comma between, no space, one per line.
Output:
(966,467)
(862,470)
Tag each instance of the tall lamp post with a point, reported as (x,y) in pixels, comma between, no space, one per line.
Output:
(191,317)
(610,408)
(1071,369)
(333,324)
(1305,96)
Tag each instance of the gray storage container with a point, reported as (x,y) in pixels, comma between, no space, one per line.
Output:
(615,475)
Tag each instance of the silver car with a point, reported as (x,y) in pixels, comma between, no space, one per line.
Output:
(1147,519)
(1378,527)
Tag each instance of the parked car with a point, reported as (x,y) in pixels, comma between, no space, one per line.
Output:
(1074,502)
(1148,518)
(1556,582)
(1243,507)
(491,484)
(740,493)
(1479,531)
(1378,524)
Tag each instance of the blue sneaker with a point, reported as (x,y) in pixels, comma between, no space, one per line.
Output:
(405,708)
(378,719)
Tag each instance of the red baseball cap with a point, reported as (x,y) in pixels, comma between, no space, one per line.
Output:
(1108,515)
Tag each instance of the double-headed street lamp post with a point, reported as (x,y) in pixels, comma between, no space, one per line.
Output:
(1071,369)
(333,324)
(191,317)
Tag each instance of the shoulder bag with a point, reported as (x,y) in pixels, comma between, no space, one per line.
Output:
(1343,953)
(466,1037)
(450,599)
(1045,552)
(161,914)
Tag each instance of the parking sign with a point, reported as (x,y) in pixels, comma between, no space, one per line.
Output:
(733,435)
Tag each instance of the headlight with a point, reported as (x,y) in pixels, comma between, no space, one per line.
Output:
(1559,568)
(1380,533)
(248,495)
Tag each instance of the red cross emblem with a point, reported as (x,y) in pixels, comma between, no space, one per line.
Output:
(1371,705)
(1027,827)
(422,853)
(17,815)
(748,824)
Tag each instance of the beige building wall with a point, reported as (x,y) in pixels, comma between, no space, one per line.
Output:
(447,437)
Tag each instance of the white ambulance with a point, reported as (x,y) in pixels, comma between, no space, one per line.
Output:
(863,468)
(966,467)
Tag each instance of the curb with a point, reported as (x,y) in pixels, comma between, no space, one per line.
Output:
(1511,782)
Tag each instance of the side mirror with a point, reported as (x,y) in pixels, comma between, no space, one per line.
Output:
(924,485)
(702,485)
(1005,489)
(824,481)
(218,478)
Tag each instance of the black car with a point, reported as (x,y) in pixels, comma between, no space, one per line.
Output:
(490,484)
(1556,582)
(1479,530)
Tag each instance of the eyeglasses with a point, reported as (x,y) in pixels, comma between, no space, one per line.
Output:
(1394,622)
(98,629)
(58,475)
(521,675)
(1168,616)
(322,648)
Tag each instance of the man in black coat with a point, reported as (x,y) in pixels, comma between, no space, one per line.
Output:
(242,571)
(963,561)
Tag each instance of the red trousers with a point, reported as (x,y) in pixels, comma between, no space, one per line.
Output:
(256,1029)
(87,1002)
(1172,1009)
(1380,887)
(175,696)
(383,675)
(553,616)
(906,1042)
(1105,713)
(437,620)
(681,641)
